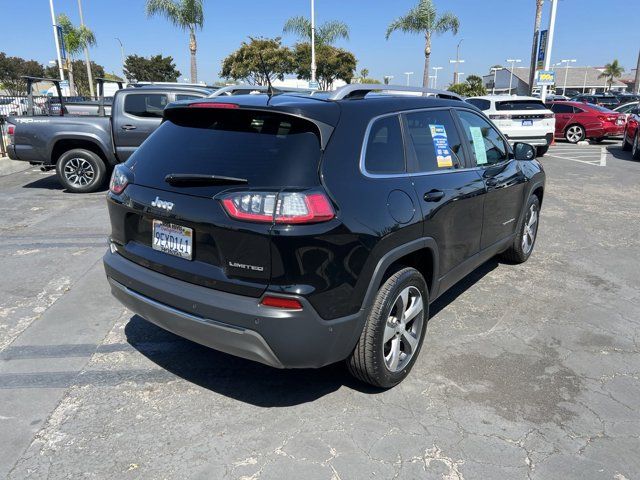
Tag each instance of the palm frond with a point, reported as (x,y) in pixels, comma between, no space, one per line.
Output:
(331,31)
(300,26)
(185,14)
(447,22)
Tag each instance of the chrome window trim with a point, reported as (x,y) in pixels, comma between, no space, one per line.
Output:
(363,149)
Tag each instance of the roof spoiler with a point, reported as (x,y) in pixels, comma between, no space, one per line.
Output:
(360,90)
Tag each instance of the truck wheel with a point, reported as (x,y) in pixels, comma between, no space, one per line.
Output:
(392,336)
(526,234)
(81,171)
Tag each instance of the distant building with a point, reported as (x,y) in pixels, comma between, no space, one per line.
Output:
(578,80)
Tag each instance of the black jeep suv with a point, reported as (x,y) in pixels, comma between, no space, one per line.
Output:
(299,231)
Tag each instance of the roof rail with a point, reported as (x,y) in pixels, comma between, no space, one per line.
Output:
(232,89)
(360,90)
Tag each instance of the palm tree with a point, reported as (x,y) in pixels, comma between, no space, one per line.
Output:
(424,19)
(534,46)
(75,41)
(326,34)
(186,15)
(612,71)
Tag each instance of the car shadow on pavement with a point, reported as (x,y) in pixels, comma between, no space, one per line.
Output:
(618,153)
(252,382)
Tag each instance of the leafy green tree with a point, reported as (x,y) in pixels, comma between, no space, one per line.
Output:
(423,19)
(75,40)
(156,68)
(332,64)
(186,15)
(326,34)
(246,63)
(11,71)
(471,87)
(612,71)
(80,77)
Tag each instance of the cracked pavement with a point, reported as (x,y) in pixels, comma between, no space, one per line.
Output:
(527,372)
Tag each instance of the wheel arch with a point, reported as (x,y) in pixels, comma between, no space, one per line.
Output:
(66,143)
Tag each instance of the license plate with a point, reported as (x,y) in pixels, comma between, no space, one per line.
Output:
(527,123)
(172,239)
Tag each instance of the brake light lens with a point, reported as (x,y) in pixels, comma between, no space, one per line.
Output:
(120,178)
(11,130)
(281,302)
(549,115)
(213,105)
(282,208)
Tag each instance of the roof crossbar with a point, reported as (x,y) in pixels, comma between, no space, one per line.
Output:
(360,90)
(232,89)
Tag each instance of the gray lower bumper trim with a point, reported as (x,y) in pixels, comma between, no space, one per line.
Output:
(211,333)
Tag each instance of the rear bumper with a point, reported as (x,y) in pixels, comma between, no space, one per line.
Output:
(543,140)
(232,323)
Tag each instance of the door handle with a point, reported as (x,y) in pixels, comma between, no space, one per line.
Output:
(128,127)
(491,182)
(434,196)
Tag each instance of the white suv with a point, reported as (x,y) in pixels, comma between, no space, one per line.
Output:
(521,119)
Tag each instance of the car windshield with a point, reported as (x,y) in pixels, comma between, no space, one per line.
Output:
(520,105)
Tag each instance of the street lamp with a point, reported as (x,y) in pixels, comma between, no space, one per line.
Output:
(551,30)
(584,84)
(456,62)
(494,70)
(566,73)
(55,36)
(435,79)
(512,61)
(408,74)
(432,78)
(313,45)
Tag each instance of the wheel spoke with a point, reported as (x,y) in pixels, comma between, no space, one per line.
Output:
(394,354)
(414,309)
(410,342)
(389,333)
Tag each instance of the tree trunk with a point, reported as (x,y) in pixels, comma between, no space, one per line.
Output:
(193,47)
(427,58)
(534,46)
(72,84)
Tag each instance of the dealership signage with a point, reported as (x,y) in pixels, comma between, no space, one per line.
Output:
(545,77)
(542,50)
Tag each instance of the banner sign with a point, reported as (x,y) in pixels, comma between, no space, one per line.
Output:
(542,49)
(545,77)
(63,50)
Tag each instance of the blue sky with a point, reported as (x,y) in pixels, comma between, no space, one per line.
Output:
(591,31)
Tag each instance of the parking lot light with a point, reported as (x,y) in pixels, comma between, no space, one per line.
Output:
(435,79)
(566,73)
(512,61)
(408,74)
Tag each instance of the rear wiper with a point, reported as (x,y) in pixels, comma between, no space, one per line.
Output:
(195,180)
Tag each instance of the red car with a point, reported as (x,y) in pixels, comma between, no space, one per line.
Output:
(576,121)
(631,139)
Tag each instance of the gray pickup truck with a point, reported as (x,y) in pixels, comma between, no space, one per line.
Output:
(83,149)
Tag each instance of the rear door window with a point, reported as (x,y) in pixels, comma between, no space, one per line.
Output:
(145,105)
(384,153)
(561,108)
(434,141)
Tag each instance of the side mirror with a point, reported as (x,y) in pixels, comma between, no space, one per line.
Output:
(524,151)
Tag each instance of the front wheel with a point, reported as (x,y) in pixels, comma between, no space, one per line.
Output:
(81,171)
(394,331)
(522,246)
(575,134)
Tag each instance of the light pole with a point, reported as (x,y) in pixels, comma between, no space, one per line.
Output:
(313,43)
(432,78)
(495,71)
(55,36)
(513,62)
(86,54)
(566,74)
(456,62)
(584,84)
(408,74)
(435,79)
(121,56)
(547,59)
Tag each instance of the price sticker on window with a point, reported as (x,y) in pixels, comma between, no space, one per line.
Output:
(478,145)
(441,146)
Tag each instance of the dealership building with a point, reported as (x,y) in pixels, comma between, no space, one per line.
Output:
(577,80)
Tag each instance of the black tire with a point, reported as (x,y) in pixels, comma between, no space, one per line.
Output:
(540,151)
(519,252)
(635,149)
(581,134)
(626,146)
(367,361)
(81,171)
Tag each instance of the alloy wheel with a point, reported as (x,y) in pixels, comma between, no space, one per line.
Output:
(530,229)
(79,172)
(403,329)
(575,134)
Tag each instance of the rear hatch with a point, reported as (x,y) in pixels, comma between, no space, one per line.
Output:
(526,116)
(212,177)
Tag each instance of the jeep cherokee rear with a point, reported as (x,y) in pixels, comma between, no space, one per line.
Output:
(299,231)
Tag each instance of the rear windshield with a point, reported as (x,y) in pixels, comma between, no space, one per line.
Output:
(267,149)
(600,109)
(520,105)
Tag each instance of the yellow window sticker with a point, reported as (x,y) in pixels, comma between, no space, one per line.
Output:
(478,145)
(441,146)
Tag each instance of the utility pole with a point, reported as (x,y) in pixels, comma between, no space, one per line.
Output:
(408,74)
(547,60)
(566,74)
(456,62)
(435,78)
(512,61)
(55,36)
(121,56)
(637,81)
(313,42)
(86,53)
(534,46)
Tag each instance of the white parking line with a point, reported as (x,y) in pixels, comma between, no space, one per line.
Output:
(603,156)
(573,159)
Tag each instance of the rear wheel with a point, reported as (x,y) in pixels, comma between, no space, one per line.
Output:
(526,234)
(540,151)
(575,134)
(392,336)
(81,171)
(635,149)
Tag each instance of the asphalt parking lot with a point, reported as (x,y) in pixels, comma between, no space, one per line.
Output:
(529,371)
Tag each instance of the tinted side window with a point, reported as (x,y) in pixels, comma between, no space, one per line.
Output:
(148,105)
(480,103)
(486,143)
(435,140)
(385,152)
(561,108)
(186,96)
(577,110)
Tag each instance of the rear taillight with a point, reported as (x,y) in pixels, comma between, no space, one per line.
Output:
(120,178)
(11,130)
(503,116)
(213,105)
(549,115)
(607,118)
(281,302)
(283,207)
